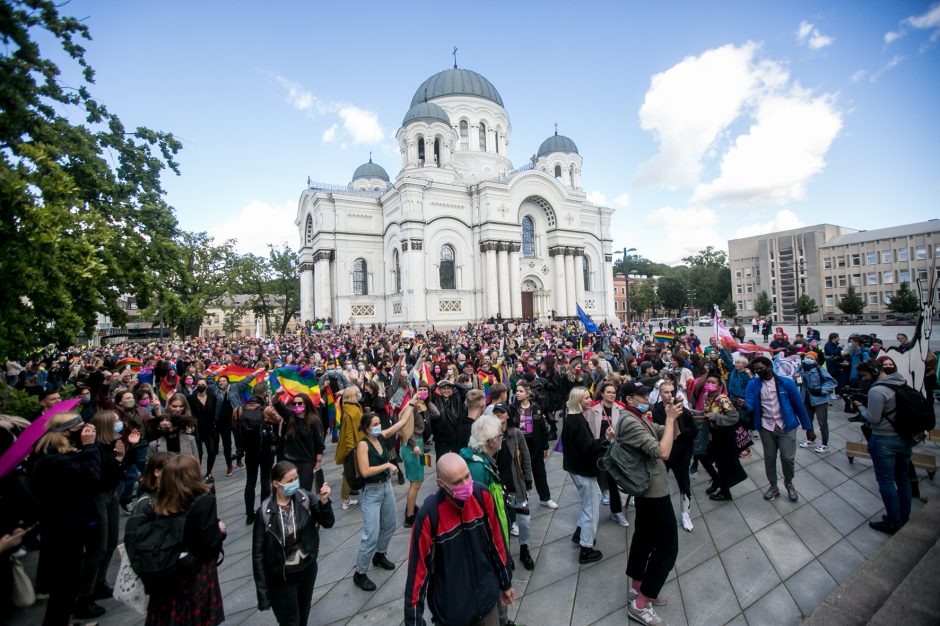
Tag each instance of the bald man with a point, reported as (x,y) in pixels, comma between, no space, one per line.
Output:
(457,531)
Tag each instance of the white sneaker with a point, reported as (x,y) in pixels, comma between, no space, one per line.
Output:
(620,518)
(605,498)
(21,553)
(807,444)
(633,594)
(821,448)
(349,503)
(644,616)
(514,531)
(686,523)
(550,504)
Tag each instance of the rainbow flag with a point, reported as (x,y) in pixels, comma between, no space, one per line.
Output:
(664,336)
(426,460)
(293,380)
(426,375)
(236,373)
(485,380)
(167,389)
(333,416)
(129,362)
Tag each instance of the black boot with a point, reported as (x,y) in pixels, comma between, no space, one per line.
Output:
(526,558)
(380,560)
(362,581)
(576,537)
(102,592)
(712,488)
(85,608)
(589,555)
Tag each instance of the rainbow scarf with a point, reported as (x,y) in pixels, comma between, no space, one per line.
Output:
(293,380)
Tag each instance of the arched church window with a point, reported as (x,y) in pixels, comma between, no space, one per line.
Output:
(496,140)
(571,176)
(586,267)
(396,269)
(448,274)
(437,152)
(557,171)
(420,150)
(482,137)
(528,237)
(308,231)
(360,277)
(464,135)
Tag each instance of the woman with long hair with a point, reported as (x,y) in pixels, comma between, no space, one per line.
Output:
(184,494)
(301,440)
(378,499)
(534,427)
(349,434)
(420,411)
(176,427)
(285,544)
(64,479)
(722,446)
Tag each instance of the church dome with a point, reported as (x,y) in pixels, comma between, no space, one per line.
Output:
(370,170)
(456,82)
(425,112)
(557,143)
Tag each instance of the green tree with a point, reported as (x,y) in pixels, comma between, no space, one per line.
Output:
(83,219)
(851,303)
(233,320)
(709,257)
(904,301)
(252,276)
(762,304)
(637,264)
(284,284)
(728,308)
(806,306)
(642,297)
(671,293)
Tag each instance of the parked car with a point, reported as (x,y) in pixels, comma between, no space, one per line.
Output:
(705,320)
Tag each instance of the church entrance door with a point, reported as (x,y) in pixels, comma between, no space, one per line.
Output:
(527,308)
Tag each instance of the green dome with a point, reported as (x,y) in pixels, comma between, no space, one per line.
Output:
(456,82)
(557,143)
(370,170)
(425,112)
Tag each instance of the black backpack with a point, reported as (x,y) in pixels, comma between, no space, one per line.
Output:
(252,420)
(159,555)
(351,471)
(913,412)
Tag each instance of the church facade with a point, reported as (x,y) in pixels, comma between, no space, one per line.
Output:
(459,234)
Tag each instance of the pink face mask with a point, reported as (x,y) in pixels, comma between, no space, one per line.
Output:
(423,395)
(711,387)
(298,408)
(463,492)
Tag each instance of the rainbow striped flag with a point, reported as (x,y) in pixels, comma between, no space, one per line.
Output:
(485,379)
(129,362)
(334,417)
(664,337)
(236,373)
(293,380)
(426,460)
(167,389)
(426,375)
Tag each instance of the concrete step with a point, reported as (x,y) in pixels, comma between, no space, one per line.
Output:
(916,600)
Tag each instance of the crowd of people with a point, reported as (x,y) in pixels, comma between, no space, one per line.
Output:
(488,402)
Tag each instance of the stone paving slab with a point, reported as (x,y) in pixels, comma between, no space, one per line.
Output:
(748,561)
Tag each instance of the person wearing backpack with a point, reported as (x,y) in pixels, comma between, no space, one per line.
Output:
(655,541)
(285,544)
(349,436)
(173,547)
(258,442)
(890,452)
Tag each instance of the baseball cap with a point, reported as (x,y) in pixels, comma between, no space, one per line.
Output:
(634,388)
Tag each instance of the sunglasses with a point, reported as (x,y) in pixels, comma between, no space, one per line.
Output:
(301,403)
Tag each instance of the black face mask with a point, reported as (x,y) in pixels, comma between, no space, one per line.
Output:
(766,374)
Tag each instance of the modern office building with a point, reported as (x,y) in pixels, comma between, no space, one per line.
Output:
(823,260)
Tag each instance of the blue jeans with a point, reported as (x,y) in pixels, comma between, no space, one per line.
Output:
(524,521)
(377,502)
(890,456)
(590,507)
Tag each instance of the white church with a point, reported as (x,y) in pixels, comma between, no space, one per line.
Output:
(459,234)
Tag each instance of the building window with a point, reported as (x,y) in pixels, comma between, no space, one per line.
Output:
(843,281)
(887,256)
(360,278)
(747,272)
(830,301)
(920,252)
(738,290)
(496,141)
(586,268)
(396,269)
(749,305)
(871,258)
(856,260)
(749,288)
(528,236)
(447,274)
(904,255)
(856,280)
(922,275)
(482,137)
(557,171)
(937,252)
(828,282)
(887,297)
(737,273)
(872,278)
(740,304)
(904,276)
(887,278)
(420,150)
(464,135)
(308,231)
(840,262)
(873,298)
(571,175)
(827,263)
(437,152)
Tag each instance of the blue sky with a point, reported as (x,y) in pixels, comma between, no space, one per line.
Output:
(698,122)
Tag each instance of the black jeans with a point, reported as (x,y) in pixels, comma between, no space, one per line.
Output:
(259,459)
(208,439)
(290,600)
(655,544)
(305,473)
(104,541)
(706,461)
(606,482)
(538,470)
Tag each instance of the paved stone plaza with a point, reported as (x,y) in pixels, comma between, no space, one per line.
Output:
(747,561)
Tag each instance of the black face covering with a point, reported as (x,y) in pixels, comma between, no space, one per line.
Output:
(766,374)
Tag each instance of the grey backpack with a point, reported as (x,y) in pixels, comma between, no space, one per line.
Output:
(630,468)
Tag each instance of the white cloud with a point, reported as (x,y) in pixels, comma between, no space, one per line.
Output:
(783,220)
(258,224)
(808,35)
(782,150)
(928,20)
(858,76)
(687,231)
(887,66)
(596,197)
(623,200)
(359,126)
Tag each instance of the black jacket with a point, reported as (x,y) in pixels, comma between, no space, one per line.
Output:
(267,546)
(539,436)
(580,449)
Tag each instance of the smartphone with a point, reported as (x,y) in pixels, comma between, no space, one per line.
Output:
(318,480)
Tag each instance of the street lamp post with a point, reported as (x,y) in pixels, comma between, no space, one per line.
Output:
(626,283)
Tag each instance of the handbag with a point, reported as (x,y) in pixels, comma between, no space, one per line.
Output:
(128,588)
(23,594)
